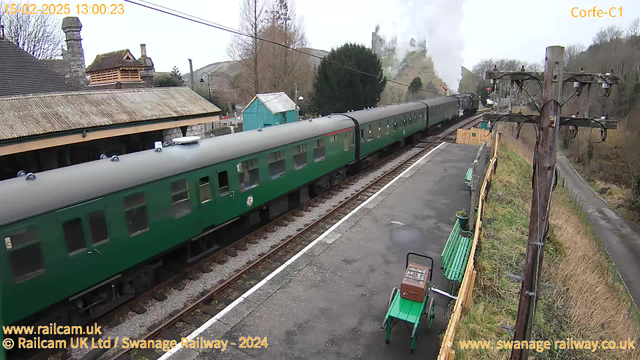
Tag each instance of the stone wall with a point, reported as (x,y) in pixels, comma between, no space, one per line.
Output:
(192,130)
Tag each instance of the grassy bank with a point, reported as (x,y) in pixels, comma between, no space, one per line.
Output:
(581,303)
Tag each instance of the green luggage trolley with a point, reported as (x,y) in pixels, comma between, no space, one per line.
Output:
(409,311)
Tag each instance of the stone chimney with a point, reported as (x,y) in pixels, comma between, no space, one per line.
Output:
(149,70)
(74,55)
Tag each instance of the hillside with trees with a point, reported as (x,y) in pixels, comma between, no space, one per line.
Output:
(612,166)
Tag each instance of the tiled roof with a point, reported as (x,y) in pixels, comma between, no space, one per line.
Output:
(24,116)
(113,60)
(21,73)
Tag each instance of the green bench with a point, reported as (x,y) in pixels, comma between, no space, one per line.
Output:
(467,177)
(456,253)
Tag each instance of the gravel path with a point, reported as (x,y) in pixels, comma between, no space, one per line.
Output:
(135,325)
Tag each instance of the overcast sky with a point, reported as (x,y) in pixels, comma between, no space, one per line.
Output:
(487,28)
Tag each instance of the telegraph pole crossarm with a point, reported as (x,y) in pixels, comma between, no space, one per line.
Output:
(564,120)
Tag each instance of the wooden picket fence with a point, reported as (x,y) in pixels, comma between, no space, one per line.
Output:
(466,288)
(473,136)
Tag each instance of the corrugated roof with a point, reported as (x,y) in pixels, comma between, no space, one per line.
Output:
(21,73)
(113,60)
(31,115)
(276,102)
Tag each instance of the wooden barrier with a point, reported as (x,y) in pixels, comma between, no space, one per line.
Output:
(466,288)
(473,136)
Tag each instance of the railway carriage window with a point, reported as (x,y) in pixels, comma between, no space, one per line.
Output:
(362,138)
(19,238)
(205,189)
(98,227)
(333,138)
(276,164)
(387,131)
(25,254)
(135,209)
(369,133)
(223,183)
(346,142)
(180,198)
(74,235)
(395,124)
(318,151)
(352,142)
(248,171)
(379,130)
(300,156)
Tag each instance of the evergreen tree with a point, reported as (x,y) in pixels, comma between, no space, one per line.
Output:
(416,85)
(338,89)
(175,73)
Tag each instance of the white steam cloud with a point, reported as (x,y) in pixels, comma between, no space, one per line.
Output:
(437,21)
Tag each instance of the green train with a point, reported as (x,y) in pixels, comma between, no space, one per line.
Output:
(81,240)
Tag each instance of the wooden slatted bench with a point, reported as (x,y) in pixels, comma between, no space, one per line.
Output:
(467,177)
(456,253)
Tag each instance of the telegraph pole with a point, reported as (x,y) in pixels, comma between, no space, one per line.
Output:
(541,200)
(548,124)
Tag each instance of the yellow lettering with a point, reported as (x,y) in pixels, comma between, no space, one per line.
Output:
(572,14)
(613,8)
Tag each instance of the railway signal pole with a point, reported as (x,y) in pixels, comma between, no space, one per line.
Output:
(547,126)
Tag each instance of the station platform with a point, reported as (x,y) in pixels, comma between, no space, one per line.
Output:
(329,301)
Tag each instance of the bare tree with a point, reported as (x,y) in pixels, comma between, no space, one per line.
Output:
(287,68)
(39,35)
(482,67)
(246,50)
(571,52)
(634,28)
(609,34)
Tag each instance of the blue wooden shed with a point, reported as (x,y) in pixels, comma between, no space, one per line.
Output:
(268,110)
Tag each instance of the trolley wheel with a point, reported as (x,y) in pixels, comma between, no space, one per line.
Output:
(431,313)
(393,293)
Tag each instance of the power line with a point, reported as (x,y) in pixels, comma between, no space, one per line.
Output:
(188,17)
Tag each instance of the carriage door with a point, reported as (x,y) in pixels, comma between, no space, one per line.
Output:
(205,186)
(84,232)
(225,192)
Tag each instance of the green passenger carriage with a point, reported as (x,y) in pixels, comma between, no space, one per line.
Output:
(81,240)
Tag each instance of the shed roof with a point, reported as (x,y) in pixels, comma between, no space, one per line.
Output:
(23,116)
(114,60)
(276,102)
(21,73)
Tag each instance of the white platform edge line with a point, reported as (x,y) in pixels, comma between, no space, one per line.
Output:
(257,286)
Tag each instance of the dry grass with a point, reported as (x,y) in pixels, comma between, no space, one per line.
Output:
(585,305)
(598,311)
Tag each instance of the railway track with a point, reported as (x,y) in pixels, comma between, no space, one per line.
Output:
(181,323)
(209,303)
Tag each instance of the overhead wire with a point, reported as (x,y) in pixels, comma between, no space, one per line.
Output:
(172,12)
